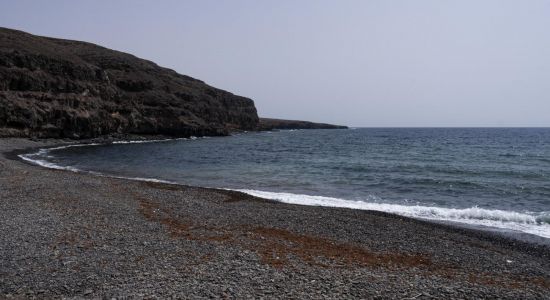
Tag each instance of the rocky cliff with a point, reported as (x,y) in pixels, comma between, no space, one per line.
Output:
(61,88)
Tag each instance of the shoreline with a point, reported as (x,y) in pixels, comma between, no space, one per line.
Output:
(293,244)
(517,236)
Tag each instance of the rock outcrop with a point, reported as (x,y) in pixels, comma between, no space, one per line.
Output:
(61,88)
(270,124)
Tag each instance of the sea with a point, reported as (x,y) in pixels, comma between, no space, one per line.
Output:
(495,178)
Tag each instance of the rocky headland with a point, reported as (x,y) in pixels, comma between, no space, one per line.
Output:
(271,124)
(60,88)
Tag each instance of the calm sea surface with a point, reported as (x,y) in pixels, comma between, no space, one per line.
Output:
(492,177)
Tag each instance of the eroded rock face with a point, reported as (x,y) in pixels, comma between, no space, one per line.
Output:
(61,88)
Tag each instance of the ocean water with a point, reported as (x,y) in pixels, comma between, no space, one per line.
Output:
(492,177)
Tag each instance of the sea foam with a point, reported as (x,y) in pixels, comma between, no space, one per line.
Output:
(533,223)
(38,157)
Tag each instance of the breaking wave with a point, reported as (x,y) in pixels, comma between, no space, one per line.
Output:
(533,223)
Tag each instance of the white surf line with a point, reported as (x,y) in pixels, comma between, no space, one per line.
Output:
(29,157)
(508,220)
(49,165)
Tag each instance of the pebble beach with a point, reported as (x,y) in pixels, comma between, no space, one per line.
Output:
(76,235)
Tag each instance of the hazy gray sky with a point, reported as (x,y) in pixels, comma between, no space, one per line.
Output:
(359,63)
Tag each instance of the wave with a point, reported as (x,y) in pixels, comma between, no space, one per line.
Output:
(38,157)
(47,164)
(533,223)
(35,158)
(145,141)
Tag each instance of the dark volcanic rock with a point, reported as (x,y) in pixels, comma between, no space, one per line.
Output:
(270,124)
(61,88)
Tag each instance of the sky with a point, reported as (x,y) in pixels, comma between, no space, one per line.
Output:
(416,63)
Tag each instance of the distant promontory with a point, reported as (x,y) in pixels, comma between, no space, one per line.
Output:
(270,124)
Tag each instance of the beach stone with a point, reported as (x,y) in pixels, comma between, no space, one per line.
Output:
(100,225)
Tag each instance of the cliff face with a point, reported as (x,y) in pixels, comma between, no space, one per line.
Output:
(61,88)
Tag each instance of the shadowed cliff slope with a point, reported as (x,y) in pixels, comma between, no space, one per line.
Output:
(62,88)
